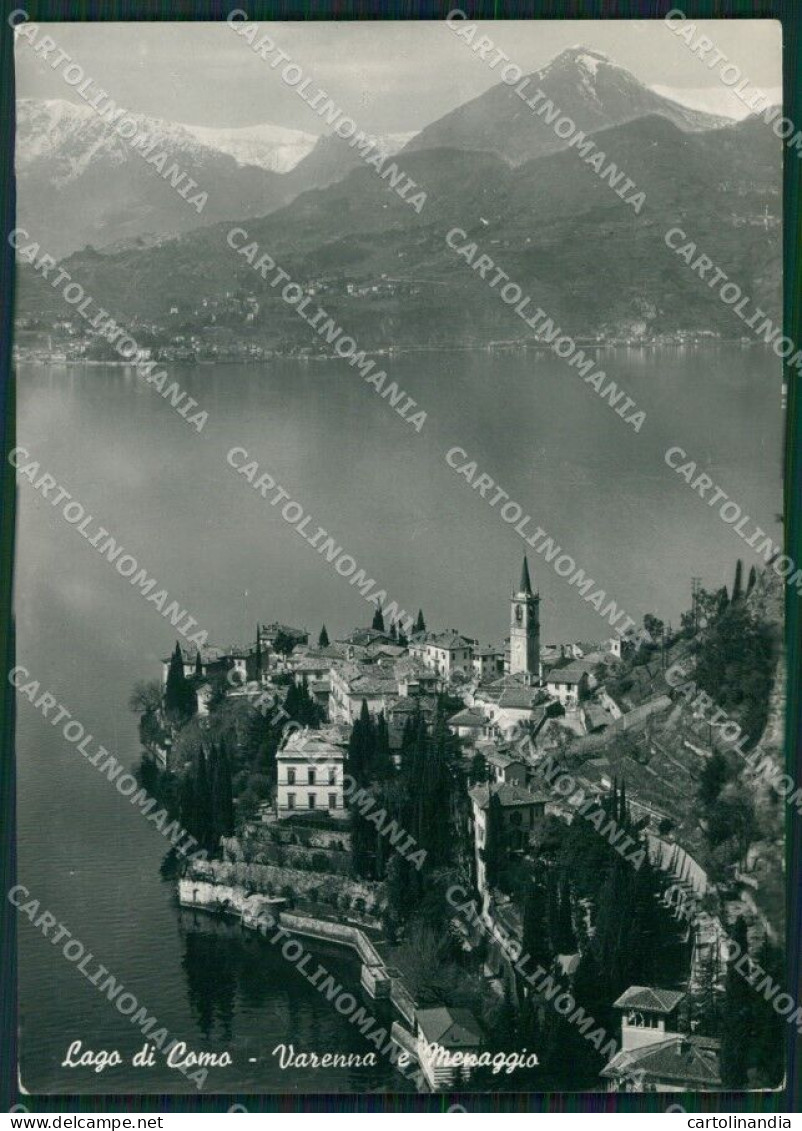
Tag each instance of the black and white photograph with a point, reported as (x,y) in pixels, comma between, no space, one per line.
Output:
(400,576)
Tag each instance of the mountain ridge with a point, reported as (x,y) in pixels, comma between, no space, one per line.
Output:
(582,84)
(552,224)
(81,183)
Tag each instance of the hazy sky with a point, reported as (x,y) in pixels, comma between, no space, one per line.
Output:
(387,75)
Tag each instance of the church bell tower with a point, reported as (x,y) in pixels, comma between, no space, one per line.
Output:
(525,629)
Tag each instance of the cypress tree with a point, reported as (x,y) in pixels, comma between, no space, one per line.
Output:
(407,743)
(369,739)
(648,957)
(706,1004)
(360,747)
(414,758)
(420,623)
(307,707)
(180,700)
(198,668)
(751,582)
(364,834)
(291,701)
(553,912)
(723,601)
(611,803)
(323,639)
(567,938)
(190,700)
(384,767)
(212,774)
(188,807)
(735,1026)
(404,888)
(393,633)
(737,585)
(225,794)
(436,807)
(535,942)
(590,990)
(419,751)
(175,676)
(354,760)
(203,804)
(612,940)
(378,619)
(494,840)
(768,1029)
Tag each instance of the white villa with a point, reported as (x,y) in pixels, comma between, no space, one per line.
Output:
(310,776)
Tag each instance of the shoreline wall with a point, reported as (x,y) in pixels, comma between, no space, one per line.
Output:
(378,979)
(270,879)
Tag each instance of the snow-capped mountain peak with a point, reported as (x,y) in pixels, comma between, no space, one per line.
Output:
(71,160)
(72,134)
(264,145)
(582,83)
(590,63)
(577,57)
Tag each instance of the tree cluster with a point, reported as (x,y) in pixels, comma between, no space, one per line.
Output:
(301,707)
(207,801)
(735,666)
(180,700)
(584,896)
(420,796)
(283,643)
(752,1032)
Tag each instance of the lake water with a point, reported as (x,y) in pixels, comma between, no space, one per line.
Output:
(387,495)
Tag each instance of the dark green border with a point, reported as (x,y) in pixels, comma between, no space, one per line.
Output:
(789,12)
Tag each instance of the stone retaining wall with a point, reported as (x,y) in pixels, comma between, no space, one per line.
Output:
(671,857)
(251,908)
(273,879)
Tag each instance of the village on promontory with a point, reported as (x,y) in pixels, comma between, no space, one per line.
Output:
(548,849)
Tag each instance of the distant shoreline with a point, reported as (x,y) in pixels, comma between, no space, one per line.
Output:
(512,346)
